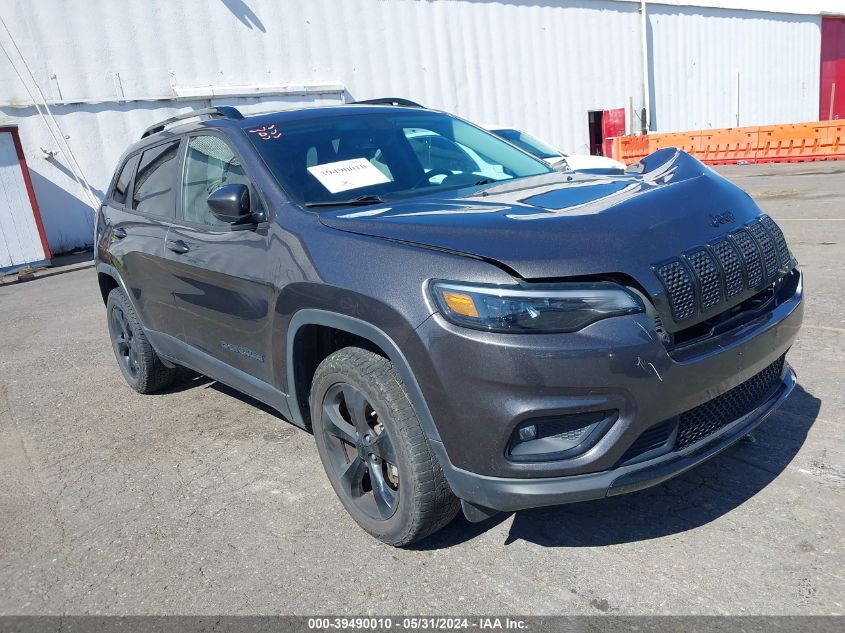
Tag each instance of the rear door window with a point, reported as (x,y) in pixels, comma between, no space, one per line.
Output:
(156,180)
(121,186)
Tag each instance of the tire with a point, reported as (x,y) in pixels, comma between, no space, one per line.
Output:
(138,361)
(374,451)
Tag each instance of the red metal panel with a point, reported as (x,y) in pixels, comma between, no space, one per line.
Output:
(832,69)
(613,123)
(833,38)
(832,87)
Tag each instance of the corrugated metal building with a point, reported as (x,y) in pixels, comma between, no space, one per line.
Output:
(109,69)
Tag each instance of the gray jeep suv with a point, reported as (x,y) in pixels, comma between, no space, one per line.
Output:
(456,323)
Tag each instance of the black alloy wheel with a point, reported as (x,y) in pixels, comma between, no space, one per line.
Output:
(374,450)
(124,341)
(139,363)
(360,451)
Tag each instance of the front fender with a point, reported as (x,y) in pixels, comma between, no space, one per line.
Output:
(310,316)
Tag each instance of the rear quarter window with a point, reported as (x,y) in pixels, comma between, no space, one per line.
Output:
(121,185)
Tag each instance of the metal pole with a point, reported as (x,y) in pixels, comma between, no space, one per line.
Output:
(644,51)
(832,97)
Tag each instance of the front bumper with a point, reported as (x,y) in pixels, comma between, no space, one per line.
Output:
(511,494)
(480,386)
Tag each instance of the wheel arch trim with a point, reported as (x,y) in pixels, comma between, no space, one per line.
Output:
(111,271)
(309,316)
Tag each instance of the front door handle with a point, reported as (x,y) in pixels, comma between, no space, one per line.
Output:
(178,246)
(119,233)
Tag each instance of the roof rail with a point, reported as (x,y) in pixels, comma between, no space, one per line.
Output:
(225,112)
(393,101)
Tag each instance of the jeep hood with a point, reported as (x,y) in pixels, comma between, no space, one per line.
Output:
(568,224)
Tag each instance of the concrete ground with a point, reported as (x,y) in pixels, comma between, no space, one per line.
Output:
(196,501)
(59,265)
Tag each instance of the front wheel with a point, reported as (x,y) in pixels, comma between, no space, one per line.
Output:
(374,451)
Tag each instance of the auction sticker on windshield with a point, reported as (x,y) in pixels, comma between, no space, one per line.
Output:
(348,174)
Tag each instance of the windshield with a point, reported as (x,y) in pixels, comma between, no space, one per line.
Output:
(365,158)
(528,143)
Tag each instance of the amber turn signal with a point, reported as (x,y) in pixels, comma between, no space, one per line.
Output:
(460,303)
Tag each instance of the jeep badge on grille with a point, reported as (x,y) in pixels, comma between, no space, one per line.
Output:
(718,219)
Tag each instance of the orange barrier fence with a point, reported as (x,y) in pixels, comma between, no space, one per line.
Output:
(820,140)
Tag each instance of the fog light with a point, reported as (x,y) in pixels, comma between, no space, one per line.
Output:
(527,433)
(558,437)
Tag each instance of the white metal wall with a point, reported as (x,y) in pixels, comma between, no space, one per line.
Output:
(98,134)
(536,64)
(714,68)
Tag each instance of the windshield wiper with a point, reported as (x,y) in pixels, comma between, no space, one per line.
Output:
(360,201)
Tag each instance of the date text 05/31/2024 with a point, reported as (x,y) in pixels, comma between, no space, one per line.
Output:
(417,623)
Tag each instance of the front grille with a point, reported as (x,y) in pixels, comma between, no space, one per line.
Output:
(651,439)
(750,257)
(709,281)
(703,278)
(707,418)
(678,282)
(780,241)
(731,267)
(767,246)
(714,414)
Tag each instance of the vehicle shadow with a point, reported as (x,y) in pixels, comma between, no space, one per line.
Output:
(234,393)
(186,380)
(686,502)
(189,379)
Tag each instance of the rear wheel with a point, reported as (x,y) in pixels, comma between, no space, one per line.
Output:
(374,451)
(139,363)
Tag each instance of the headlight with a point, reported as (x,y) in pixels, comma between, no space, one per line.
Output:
(547,308)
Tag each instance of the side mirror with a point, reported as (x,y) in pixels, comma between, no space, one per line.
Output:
(230,204)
